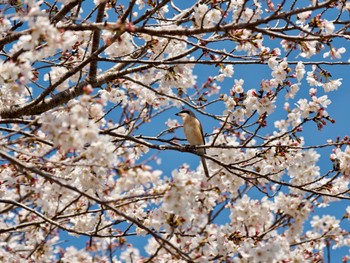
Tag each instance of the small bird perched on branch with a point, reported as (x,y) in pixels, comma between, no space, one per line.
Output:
(194,133)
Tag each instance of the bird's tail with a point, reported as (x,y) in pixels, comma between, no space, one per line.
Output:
(205,167)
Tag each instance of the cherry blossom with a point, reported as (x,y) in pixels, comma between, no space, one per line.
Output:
(95,167)
(300,71)
(335,53)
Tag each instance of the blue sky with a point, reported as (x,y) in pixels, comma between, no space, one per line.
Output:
(252,75)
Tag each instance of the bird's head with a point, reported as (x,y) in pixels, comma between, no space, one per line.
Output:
(185,113)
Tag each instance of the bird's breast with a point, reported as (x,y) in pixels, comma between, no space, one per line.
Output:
(193,132)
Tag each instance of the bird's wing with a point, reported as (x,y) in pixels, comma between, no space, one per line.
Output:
(200,125)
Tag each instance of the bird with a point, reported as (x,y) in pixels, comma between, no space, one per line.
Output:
(194,133)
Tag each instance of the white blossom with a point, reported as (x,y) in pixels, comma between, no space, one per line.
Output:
(300,70)
(331,85)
